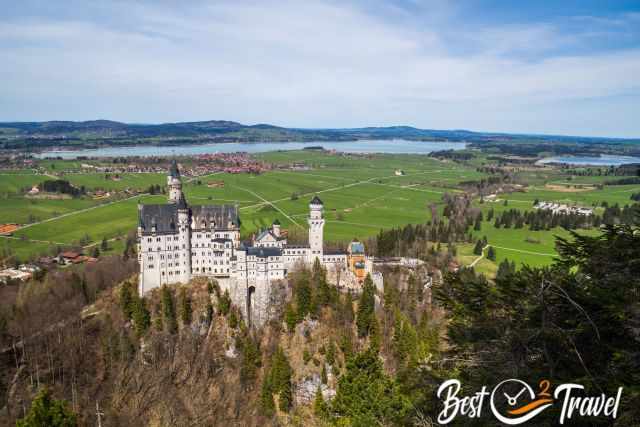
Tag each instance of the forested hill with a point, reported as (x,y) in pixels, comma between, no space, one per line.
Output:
(16,134)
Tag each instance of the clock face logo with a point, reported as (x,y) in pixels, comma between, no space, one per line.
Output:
(514,402)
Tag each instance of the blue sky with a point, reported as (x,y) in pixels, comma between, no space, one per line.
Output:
(561,67)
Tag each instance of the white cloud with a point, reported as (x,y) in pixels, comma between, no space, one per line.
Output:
(308,64)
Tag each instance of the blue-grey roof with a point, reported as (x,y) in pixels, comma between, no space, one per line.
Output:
(221,215)
(163,217)
(316,200)
(263,252)
(357,248)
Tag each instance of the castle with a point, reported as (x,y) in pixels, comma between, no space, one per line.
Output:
(177,242)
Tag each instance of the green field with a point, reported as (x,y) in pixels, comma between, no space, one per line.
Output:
(361,194)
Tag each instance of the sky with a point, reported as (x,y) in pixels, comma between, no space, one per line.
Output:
(567,67)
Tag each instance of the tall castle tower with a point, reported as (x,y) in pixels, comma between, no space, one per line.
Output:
(183,247)
(316,227)
(174,183)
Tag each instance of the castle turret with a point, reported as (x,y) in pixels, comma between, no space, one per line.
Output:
(316,227)
(184,239)
(174,183)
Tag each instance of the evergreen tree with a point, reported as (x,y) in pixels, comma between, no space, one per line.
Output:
(251,359)
(126,300)
(234,320)
(168,310)
(319,405)
(186,311)
(478,223)
(366,308)
(290,317)
(303,295)
(491,253)
(278,381)
(266,397)
(477,249)
(365,396)
(505,269)
(48,412)
(224,303)
(141,316)
(104,246)
(95,252)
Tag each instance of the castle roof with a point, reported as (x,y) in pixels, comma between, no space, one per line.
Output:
(221,215)
(316,201)
(163,217)
(182,202)
(263,252)
(356,247)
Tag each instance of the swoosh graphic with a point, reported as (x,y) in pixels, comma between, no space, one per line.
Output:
(529,407)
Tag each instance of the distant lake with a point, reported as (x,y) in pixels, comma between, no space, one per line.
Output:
(603,160)
(395,146)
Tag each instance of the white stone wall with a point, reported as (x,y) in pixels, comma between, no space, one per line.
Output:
(162,261)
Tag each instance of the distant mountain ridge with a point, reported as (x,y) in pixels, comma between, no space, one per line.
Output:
(225,131)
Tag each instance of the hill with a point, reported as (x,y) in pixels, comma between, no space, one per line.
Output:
(33,135)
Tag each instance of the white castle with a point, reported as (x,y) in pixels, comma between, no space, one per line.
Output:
(177,242)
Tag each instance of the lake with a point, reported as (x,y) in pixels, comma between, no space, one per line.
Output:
(395,146)
(603,160)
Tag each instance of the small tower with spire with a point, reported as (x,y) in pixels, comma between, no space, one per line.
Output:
(174,183)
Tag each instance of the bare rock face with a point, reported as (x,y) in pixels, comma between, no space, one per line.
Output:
(305,391)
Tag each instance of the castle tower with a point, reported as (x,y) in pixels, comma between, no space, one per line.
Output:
(184,239)
(275,228)
(174,183)
(316,227)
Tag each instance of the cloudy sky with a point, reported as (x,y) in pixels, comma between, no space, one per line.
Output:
(559,67)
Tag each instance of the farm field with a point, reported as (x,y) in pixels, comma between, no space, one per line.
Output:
(361,194)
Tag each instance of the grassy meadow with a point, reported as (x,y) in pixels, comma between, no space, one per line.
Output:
(362,195)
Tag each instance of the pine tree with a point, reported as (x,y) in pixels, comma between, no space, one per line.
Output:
(491,254)
(319,405)
(477,250)
(366,396)
(348,313)
(168,310)
(234,321)
(141,316)
(478,223)
(366,308)
(104,246)
(224,303)
(303,296)
(186,312)
(290,317)
(126,300)
(251,359)
(266,397)
(49,412)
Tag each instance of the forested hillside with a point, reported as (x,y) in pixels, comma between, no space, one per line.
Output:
(184,355)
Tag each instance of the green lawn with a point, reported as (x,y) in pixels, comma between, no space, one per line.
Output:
(362,194)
